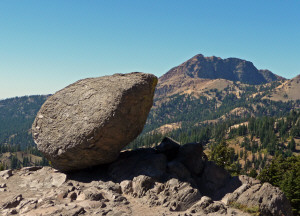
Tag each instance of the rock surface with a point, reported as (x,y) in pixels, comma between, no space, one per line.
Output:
(269,199)
(147,186)
(90,121)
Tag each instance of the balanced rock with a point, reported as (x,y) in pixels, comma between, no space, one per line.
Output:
(90,121)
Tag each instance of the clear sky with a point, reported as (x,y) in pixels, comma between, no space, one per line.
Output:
(48,44)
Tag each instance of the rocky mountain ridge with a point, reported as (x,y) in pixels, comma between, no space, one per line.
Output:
(233,69)
(211,80)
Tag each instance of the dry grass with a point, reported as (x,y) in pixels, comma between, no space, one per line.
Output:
(253,210)
(166,128)
(195,86)
(288,90)
(6,157)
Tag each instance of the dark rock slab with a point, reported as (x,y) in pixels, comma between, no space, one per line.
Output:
(169,147)
(191,155)
(138,162)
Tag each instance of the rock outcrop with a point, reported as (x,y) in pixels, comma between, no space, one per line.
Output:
(270,200)
(89,122)
(141,182)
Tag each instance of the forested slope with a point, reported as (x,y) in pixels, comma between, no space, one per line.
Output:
(16,117)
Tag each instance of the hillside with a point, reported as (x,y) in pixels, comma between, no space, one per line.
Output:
(211,89)
(288,90)
(17,148)
(16,117)
(216,103)
(19,159)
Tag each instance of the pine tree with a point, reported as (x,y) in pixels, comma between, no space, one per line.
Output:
(1,167)
(222,154)
(253,173)
(292,145)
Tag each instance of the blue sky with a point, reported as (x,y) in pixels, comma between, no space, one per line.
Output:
(46,45)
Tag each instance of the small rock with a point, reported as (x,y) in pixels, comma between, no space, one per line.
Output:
(3,185)
(174,206)
(58,179)
(72,195)
(126,186)
(47,204)
(13,212)
(70,184)
(62,195)
(71,188)
(14,202)
(217,207)
(27,205)
(81,196)
(103,205)
(69,206)
(93,194)
(76,212)
(115,187)
(6,174)
(87,204)
(31,169)
(141,185)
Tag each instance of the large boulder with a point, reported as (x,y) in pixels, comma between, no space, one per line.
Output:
(90,121)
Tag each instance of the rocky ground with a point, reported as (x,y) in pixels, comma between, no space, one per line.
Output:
(45,191)
(168,180)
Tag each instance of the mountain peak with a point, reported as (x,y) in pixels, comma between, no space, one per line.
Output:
(198,56)
(202,57)
(213,67)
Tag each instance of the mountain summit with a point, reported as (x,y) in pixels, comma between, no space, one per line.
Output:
(233,69)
